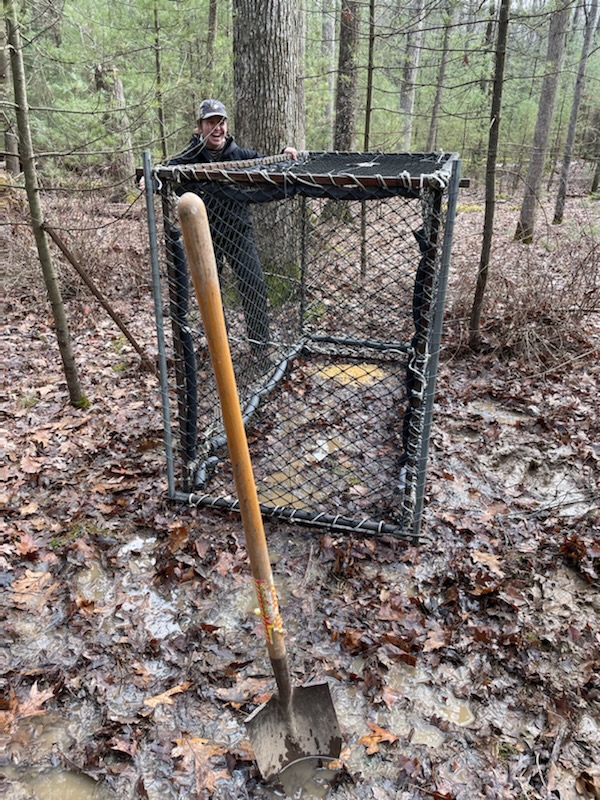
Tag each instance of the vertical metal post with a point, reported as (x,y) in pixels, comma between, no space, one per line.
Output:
(160,329)
(303,246)
(436,338)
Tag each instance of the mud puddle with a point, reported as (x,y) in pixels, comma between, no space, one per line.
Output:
(55,784)
(512,463)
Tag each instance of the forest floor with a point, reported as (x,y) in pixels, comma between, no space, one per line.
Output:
(465,667)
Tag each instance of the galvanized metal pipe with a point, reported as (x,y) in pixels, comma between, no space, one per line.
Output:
(436,338)
(160,328)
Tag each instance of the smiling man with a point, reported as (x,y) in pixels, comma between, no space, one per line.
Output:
(230,221)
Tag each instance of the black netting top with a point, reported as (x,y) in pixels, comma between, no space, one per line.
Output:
(388,167)
(344,175)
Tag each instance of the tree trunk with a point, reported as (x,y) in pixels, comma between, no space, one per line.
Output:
(211,36)
(490,177)
(437,103)
(160,110)
(347,80)
(301,72)
(76,395)
(590,22)
(409,74)
(487,43)
(328,53)
(370,69)
(125,162)
(11,155)
(596,178)
(11,146)
(554,54)
(269,112)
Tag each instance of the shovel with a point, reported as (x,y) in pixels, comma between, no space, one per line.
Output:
(299,722)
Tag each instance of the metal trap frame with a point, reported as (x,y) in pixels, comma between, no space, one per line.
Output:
(333,273)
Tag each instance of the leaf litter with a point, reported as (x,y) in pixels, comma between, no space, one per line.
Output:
(466,667)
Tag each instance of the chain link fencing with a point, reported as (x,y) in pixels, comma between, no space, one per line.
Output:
(333,272)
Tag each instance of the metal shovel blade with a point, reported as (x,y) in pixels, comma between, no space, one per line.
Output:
(308,727)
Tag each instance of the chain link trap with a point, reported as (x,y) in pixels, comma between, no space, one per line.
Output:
(333,273)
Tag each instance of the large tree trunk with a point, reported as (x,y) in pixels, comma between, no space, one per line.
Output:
(347,81)
(76,395)
(490,177)
(269,112)
(437,102)
(410,66)
(554,55)
(591,13)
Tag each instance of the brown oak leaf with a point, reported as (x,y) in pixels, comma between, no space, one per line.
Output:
(195,754)
(372,740)
(165,697)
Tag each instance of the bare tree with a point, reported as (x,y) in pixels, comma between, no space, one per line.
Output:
(107,81)
(490,176)
(410,66)
(125,159)
(160,109)
(596,178)
(11,147)
(554,54)
(211,36)
(370,70)
(328,53)
(437,102)
(591,12)
(347,80)
(63,336)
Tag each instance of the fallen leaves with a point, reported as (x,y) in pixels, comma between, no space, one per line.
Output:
(463,603)
(195,754)
(490,561)
(437,638)
(31,466)
(583,553)
(165,698)
(33,590)
(378,735)
(27,546)
(28,508)
(588,785)
(30,706)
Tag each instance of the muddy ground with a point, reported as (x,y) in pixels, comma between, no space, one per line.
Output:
(464,667)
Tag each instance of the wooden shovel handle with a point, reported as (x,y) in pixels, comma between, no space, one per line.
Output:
(202,264)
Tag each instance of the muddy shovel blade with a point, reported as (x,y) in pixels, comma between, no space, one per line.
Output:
(307,728)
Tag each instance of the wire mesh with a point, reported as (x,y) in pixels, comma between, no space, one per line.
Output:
(329,290)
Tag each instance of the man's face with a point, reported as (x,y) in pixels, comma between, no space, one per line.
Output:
(214,131)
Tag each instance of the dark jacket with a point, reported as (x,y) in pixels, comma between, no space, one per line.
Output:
(195,153)
(232,232)
(229,219)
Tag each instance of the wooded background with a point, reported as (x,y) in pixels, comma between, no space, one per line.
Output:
(107,80)
(513,87)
